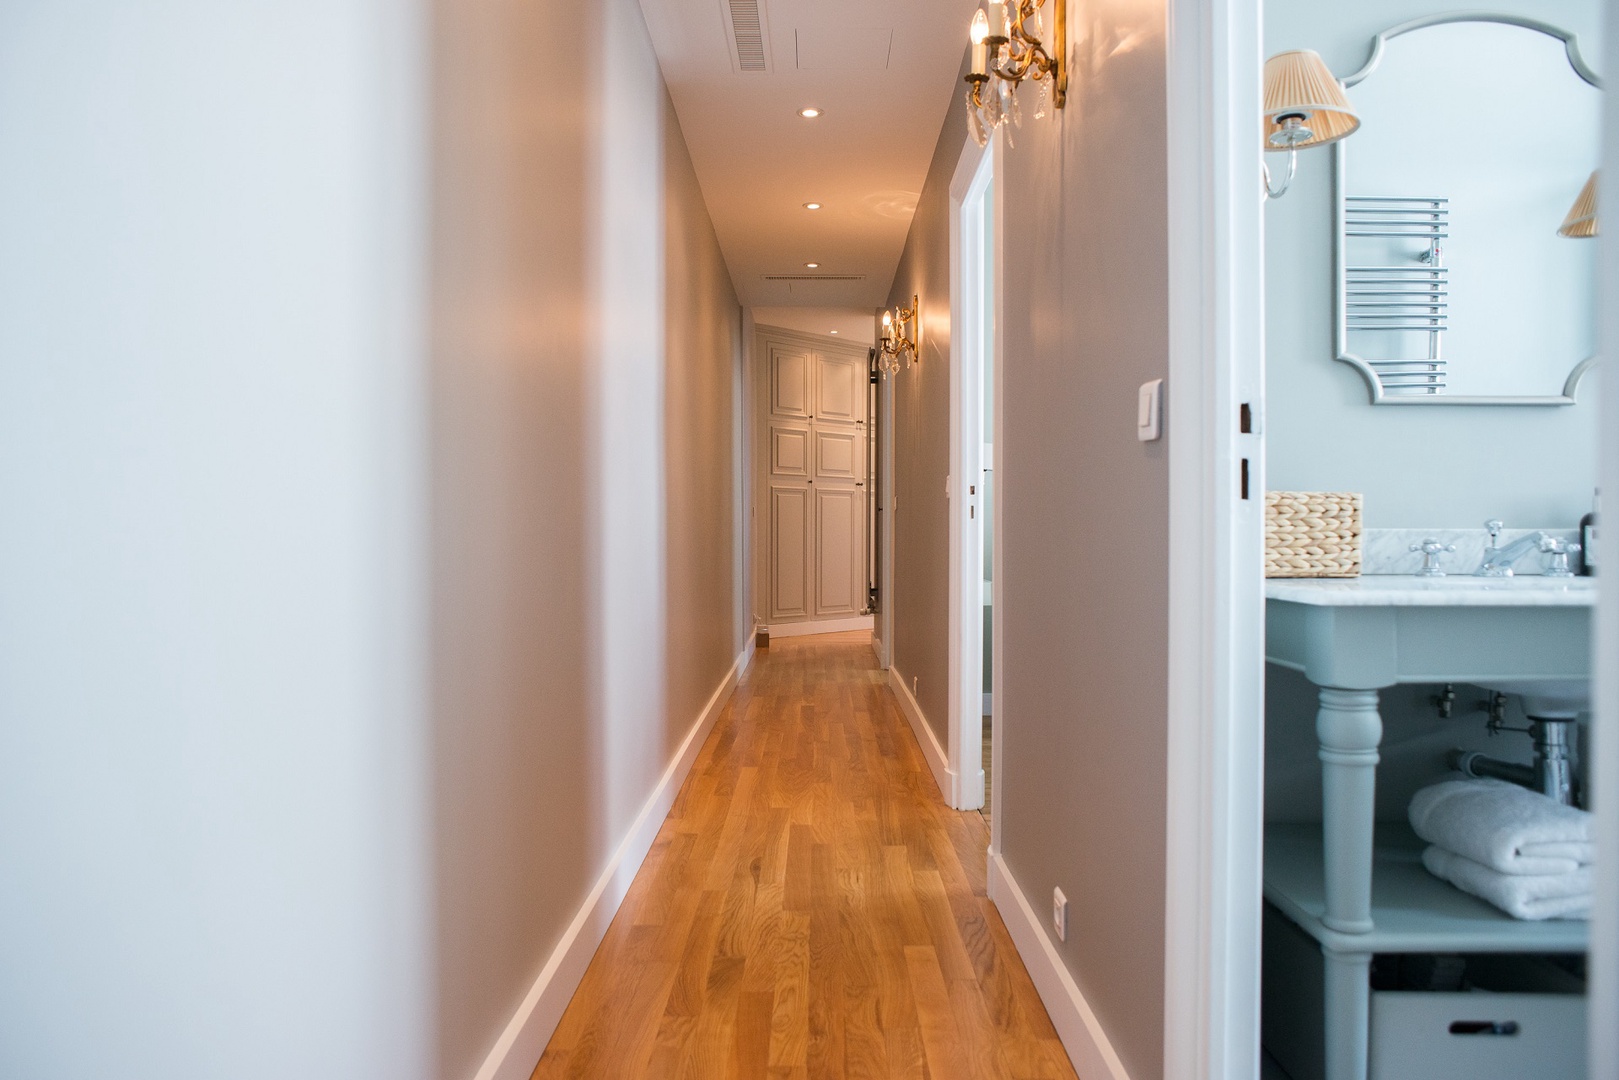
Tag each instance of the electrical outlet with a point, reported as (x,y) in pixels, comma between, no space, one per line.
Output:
(1059,914)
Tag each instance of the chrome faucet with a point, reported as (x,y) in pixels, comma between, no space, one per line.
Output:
(1498,560)
(1559,550)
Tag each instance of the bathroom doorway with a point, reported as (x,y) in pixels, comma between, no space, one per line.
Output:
(1484,523)
(972,525)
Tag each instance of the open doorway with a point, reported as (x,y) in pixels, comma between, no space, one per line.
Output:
(972,531)
(1354,758)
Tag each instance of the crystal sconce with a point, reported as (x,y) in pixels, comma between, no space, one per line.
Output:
(899,338)
(1007,44)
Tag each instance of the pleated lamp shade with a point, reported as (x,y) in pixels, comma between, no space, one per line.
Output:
(1582,216)
(1298,84)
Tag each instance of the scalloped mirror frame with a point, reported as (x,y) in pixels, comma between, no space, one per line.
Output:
(1374,385)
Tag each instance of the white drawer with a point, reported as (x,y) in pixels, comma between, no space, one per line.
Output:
(1477,1036)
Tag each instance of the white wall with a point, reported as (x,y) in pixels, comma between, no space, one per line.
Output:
(211,598)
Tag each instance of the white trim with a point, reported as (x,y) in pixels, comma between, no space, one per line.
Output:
(1082,1034)
(929,742)
(819,626)
(1214,811)
(1603,1025)
(974,170)
(997,615)
(517,1052)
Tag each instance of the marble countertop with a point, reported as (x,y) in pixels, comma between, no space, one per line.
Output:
(1457,590)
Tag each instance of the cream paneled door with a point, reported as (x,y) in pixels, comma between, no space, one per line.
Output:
(817,501)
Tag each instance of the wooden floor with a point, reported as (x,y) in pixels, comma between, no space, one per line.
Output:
(810,909)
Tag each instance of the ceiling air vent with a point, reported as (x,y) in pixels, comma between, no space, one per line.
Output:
(745,23)
(814,277)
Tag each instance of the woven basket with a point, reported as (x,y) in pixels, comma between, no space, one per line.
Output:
(1312,534)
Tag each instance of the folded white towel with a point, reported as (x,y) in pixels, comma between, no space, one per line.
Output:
(1523,896)
(1505,827)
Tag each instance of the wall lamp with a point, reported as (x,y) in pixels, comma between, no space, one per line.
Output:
(1007,44)
(1304,107)
(898,338)
(1581,222)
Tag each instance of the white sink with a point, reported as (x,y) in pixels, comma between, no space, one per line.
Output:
(1454,590)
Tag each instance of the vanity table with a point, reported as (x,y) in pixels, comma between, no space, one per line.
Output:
(1352,638)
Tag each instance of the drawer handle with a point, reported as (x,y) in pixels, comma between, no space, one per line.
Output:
(1484,1027)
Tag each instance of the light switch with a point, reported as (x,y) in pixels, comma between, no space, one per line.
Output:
(1150,411)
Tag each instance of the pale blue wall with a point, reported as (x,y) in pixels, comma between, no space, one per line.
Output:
(1441,466)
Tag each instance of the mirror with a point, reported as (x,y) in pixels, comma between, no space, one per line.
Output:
(1454,288)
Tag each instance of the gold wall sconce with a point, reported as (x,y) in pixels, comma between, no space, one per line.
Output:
(898,339)
(1008,47)
(1304,107)
(1581,222)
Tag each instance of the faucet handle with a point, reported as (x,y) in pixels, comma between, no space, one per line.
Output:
(1431,550)
(1559,550)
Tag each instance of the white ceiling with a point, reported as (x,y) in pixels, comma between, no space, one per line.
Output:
(858,325)
(884,71)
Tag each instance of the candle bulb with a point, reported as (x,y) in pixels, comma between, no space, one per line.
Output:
(979,31)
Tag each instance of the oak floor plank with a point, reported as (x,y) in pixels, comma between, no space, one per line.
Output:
(810,910)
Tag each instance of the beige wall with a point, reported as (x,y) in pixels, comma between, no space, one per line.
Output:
(921,395)
(1084,585)
(587,349)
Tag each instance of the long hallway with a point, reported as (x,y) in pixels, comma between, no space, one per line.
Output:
(811,908)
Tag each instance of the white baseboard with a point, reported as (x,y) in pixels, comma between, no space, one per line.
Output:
(518,1050)
(1088,1047)
(938,760)
(819,626)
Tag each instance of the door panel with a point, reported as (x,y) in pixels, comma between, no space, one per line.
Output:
(839,562)
(814,480)
(838,453)
(789,381)
(790,450)
(840,383)
(790,552)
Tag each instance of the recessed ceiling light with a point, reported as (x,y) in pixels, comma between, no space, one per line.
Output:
(810,113)
(812,206)
(812,266)
(831,331)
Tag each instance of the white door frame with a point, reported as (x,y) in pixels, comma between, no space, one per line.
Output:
(1215,806)
(759,481)
(885,537)
(1216,600)
(1603,962)
(974,169)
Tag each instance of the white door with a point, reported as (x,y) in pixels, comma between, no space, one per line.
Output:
(815,461)
(789,459)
